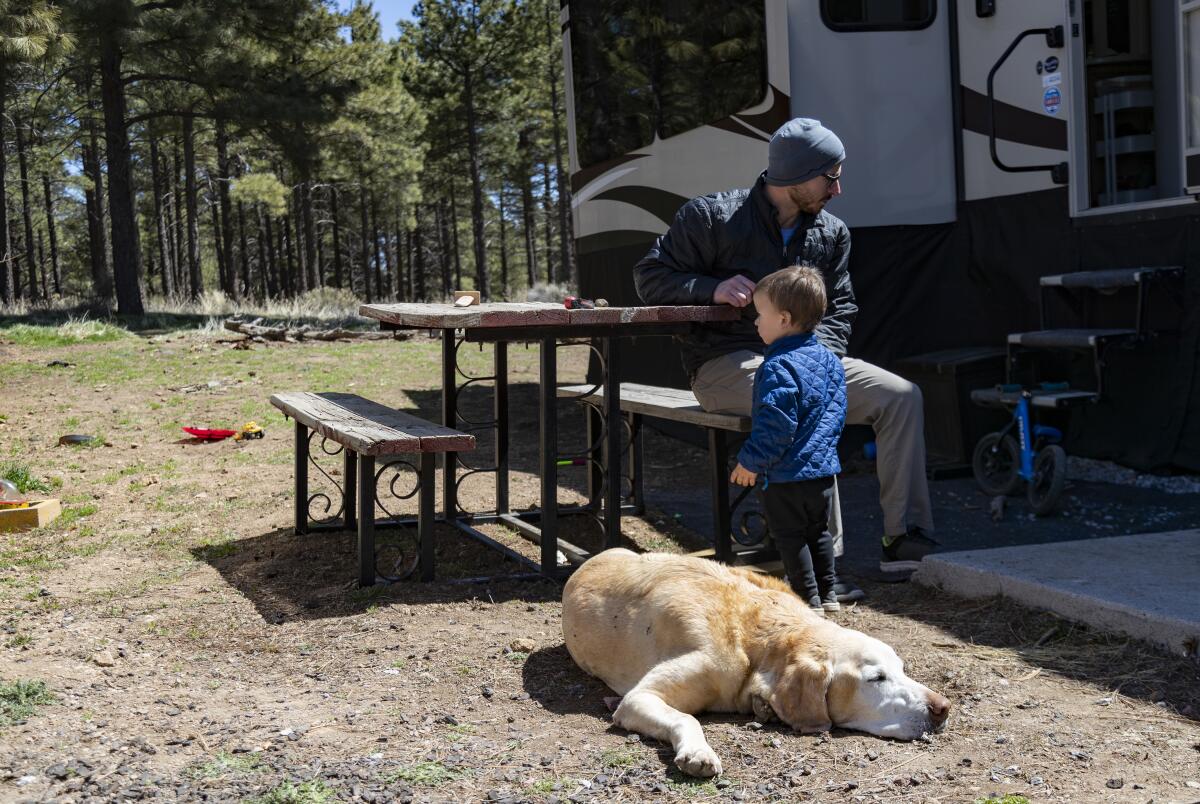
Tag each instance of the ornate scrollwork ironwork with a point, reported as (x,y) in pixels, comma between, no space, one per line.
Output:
(394,467)
(397,549)
(315,514)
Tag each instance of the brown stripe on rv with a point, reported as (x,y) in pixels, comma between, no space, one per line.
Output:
(659,203)
(582,178)
(1012,122)
(737,127)
(770,120)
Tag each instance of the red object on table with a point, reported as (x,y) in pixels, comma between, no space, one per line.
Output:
(209,433)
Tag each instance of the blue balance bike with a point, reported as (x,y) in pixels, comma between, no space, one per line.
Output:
(1023,452)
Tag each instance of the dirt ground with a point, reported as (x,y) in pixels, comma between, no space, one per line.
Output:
(197,650)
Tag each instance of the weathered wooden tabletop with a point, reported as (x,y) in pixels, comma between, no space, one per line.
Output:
(537,314)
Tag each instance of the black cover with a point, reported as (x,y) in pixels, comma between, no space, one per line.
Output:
(970,283)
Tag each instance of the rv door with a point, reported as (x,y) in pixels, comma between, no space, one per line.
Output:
(1015,95)
(1189,26)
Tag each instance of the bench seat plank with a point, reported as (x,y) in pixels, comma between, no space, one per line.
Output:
(673,404)
(367,427)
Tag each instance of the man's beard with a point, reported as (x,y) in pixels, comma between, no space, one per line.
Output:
(810,204)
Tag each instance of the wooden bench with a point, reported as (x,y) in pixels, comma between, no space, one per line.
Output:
(368,430)
(677,405)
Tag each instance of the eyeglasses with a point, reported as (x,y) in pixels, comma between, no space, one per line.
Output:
(832,179)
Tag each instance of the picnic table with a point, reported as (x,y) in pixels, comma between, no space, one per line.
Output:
(501,323)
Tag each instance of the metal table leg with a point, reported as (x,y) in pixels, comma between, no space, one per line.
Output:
(301,505)
(449,419)
(500,407)
(549,456)
(612,445)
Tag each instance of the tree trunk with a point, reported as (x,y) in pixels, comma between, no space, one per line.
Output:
(266,261)
(337,237)
(527,214)
(42,264)
(224,174)
(481,273)
(243,251)
(287,279)
(26,209)
(320,241)
(552,276)
(195,281)
(379,249)
(8,280)
(160,229)
(458,283)
(15,250)
(366,253)
(565,235)
(306,217)
(296,236)
(419,271)
(52,230)
(403,261)
(177,216)
(441,219)
(503,249)
(94,202)
(127,268)
(223,267)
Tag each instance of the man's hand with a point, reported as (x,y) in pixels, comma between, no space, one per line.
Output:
(737,291)
(742,476)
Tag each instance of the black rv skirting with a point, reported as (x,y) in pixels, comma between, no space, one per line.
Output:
(970,283)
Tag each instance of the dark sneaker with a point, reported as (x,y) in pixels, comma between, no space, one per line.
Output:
(848,592)
(829,601)
(814,603)
(906,551)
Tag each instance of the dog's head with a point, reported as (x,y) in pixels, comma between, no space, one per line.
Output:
(855,682)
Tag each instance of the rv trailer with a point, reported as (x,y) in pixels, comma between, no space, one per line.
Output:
(992,146)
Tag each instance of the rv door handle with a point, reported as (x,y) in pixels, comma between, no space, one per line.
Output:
(1054,38)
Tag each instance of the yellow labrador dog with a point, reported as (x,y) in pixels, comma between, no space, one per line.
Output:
(676,636)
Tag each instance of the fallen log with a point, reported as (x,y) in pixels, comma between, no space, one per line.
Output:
(256,330)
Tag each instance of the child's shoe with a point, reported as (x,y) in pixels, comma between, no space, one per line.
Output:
(814,603)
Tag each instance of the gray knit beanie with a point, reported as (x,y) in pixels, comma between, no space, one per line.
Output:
(801,149)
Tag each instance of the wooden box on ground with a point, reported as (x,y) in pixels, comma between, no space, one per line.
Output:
(37,515)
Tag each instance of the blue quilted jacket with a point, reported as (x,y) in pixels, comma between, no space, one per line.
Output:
(799,410)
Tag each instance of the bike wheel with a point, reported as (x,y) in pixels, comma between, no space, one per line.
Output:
(1049,478)
(995,464)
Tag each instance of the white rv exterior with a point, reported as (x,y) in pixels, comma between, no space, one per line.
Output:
(912,107)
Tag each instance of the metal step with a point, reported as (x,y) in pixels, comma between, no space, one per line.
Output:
(1111,279)
(1068,338)
(995,398)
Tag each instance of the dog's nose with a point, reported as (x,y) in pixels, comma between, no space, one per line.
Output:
(939,708)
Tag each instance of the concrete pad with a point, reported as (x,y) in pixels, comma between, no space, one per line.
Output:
(1146,586)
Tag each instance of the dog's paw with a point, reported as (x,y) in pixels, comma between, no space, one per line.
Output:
(698,761)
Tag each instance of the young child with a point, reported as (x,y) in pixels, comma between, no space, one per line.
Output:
(799,411)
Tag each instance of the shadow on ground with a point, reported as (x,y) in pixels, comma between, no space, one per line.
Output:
(312,577)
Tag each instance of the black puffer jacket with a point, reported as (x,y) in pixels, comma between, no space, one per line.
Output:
(718,236)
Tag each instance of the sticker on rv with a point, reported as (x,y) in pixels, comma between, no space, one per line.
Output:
(1051,79)
(1051,100)
(1051,64)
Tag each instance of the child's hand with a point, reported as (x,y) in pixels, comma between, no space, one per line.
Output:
(742,476)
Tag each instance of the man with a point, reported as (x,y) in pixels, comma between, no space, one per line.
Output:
(721,245)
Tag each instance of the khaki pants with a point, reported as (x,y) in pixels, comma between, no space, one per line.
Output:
(890,404)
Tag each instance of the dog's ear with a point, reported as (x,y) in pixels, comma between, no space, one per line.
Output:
(798,696)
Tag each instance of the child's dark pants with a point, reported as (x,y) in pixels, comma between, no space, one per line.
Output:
(797,516)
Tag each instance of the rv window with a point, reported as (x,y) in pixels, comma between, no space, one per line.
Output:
(878,15)
(644,68)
